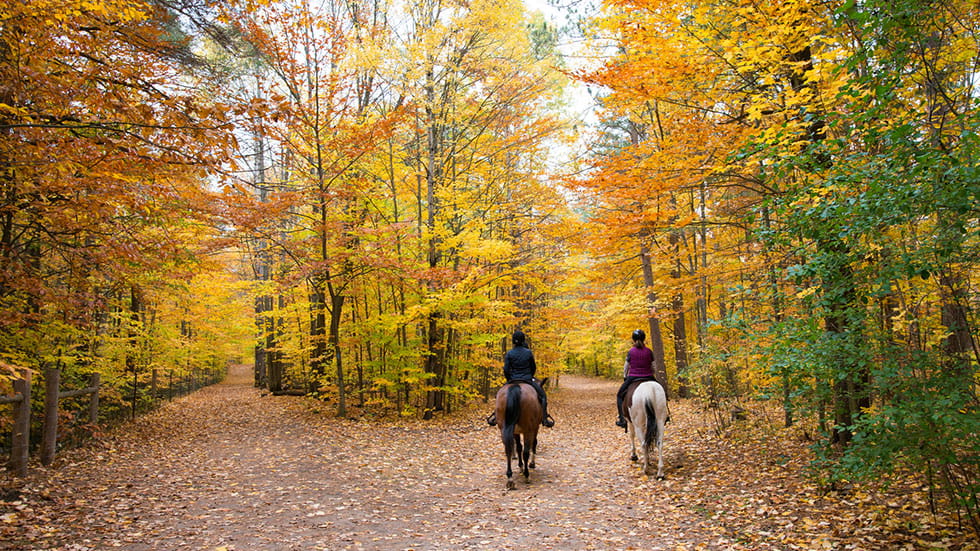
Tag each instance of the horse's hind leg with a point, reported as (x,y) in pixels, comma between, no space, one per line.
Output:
(657,444)
(647,463)
(527,458)
(509,452)
(534,452)
(648,458)
(632,432)
(520,451)
(660,461)
(660,450)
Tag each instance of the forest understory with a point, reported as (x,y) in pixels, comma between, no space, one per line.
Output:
(231,468)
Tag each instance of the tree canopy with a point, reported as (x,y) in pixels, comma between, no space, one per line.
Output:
(369,197)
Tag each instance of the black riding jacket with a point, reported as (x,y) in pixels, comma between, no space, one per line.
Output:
(519,364)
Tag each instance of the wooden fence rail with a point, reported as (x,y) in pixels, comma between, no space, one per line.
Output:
(21,399)
(52,394)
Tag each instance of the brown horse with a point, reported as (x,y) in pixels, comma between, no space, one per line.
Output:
(519,413)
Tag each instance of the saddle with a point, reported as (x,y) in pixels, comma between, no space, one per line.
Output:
(548,421)
(628,397)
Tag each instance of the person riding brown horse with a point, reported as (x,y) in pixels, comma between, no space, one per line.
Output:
(520,414)
(519,367)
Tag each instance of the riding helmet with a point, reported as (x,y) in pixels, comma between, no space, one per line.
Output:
(639,335)
(518,337)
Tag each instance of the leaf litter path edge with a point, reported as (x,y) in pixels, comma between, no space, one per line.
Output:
(229,469)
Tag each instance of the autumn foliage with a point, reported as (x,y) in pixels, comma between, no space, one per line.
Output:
(110,128)
(368,197)
(802,175)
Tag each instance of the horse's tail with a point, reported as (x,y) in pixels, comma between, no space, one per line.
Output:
(512,413)
(651,433)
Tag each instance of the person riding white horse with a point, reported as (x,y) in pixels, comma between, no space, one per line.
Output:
(638,368)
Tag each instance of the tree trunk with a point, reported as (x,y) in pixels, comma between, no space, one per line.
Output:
(433,366)
(680,324)
(49,431)
(266,345)
(656,338)
(959,343)
(318,336)
(701,306)
(364,349)
(336,310)
(262,269)
(851,387)
(135,304)
(778,316)
(433,176)
(274,356)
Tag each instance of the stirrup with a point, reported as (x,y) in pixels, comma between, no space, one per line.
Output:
(548,421)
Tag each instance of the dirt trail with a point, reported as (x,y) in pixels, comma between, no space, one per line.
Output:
(229,468)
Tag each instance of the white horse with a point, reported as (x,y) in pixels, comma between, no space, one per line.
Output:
(647,408)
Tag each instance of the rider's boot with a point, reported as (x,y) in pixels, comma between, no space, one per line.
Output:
(620,420)
(492,419)
(546,419)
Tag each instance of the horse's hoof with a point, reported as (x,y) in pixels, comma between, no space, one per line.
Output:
(531,466)
(511,485)
(661,477)
(634,458)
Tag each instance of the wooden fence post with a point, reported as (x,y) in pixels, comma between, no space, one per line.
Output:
(20,448)
(49,432)
(94,380)
(21,444)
